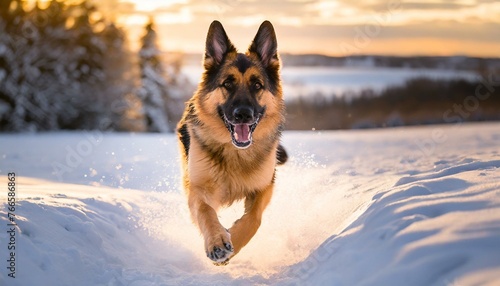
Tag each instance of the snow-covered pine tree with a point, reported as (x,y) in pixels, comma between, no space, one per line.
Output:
(122,78)
(85,69)
(39,91)
(154,90)
(58,52)
(61,67)
(6,99)
(12,112)
(38,83)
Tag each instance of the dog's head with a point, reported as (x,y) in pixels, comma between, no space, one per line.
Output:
(242,91)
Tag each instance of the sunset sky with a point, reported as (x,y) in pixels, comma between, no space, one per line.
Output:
(335,27)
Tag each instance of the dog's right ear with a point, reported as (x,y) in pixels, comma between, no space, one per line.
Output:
(217,45)
(265,45)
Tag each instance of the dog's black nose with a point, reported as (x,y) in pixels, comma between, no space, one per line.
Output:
(243,114)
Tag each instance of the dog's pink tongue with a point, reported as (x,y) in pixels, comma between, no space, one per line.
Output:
(242,132)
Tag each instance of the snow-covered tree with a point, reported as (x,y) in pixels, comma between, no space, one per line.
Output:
(19,69)
(57,68)
(6,98)
(12,112)
(122,77)
(154,89)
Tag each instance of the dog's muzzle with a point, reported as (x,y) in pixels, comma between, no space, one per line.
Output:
(241,126)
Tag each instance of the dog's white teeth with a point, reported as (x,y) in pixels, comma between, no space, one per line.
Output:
(235,136)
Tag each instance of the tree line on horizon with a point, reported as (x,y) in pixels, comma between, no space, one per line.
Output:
(419,101)
(66,67)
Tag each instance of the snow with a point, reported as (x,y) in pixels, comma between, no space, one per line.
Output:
(376,207)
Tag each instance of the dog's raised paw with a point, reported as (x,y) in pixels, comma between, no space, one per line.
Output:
(221,255)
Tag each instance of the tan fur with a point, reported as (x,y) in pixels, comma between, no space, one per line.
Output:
(212,182)
(210,186)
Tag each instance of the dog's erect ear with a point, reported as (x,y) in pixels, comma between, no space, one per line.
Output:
(217,45)
(265,44)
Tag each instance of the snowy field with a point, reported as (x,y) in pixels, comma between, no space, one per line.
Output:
(405,206)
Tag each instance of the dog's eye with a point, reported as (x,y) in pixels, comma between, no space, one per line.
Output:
(227,84)
(257,85)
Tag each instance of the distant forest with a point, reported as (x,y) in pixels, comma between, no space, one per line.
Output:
(419,101)
(64,66)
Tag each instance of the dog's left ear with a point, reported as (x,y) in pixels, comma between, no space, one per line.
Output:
(265,44)
(217,45)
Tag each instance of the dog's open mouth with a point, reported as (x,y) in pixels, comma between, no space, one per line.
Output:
(241,133)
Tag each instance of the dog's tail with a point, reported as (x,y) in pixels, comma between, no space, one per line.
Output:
(281,155)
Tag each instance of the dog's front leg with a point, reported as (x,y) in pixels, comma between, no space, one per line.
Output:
(246,227)
(217,239)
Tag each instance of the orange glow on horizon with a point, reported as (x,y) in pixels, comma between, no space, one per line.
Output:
(182,25)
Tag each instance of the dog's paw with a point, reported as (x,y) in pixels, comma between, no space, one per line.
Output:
(220,254)
(220,249)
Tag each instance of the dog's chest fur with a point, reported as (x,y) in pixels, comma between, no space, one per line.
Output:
(228,174)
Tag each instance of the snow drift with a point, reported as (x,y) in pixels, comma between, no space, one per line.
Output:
(378,207)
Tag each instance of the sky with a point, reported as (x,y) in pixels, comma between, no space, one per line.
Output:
(331,27)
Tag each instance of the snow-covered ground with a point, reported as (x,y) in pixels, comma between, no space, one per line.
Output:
(405,206)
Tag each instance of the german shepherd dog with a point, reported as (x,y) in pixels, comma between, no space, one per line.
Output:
(229,136)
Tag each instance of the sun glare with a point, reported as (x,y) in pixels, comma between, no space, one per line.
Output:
(152,5)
